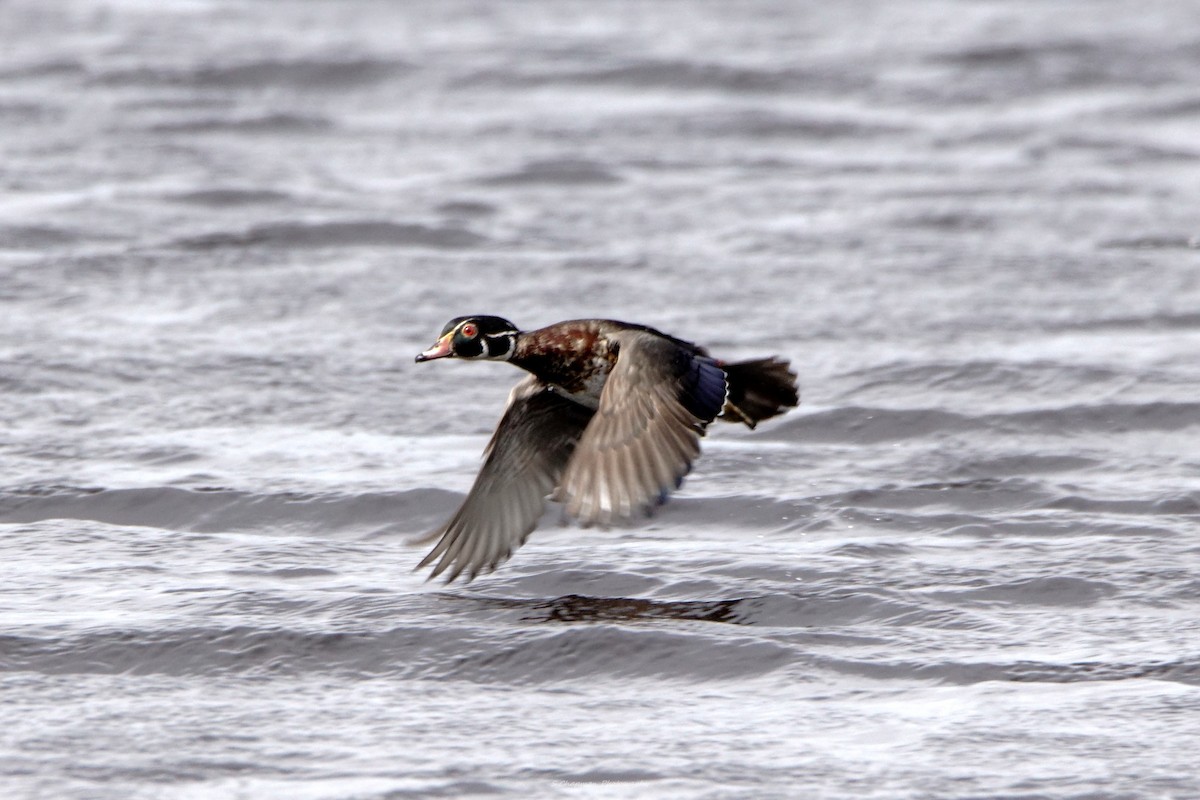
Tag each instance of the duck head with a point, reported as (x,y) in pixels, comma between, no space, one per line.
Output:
(483,337)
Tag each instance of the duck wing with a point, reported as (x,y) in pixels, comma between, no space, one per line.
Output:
(655,406)
(522,464)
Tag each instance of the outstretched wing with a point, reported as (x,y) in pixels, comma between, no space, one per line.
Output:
(646,432)
(522,464)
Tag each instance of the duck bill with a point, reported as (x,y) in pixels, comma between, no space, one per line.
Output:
(442,349)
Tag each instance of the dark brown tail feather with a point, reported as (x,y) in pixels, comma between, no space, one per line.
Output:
(759,390)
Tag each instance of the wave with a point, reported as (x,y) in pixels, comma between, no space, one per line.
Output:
(546,640)
(972,376)
(857,424)
(414,652)
(36,237)
(352,233)
(679,74)
(1151,322)
(993,71)
(226,510)
(219,197)
(1181,241)
(279,122)
(759,124)
(556,172)
(54,67)
(299,73)
(979,505)
(966,673)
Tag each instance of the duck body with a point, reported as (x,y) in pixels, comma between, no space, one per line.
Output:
(572,358)
(608,422)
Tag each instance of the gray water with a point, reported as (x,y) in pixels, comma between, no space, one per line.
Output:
(967,567)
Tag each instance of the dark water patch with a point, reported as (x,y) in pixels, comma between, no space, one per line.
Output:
(296,74)
(181,771)
(839,607)
(582,651)
(947,221)
(164,456)
(1182,504)
(1054,524)
(556,172)
(873,551)
(225,510)
(51,68)
(972,497)
(1182,241)
(691,75)
(738,511)
(1055,591)
(287,573)
(278,122)
(339,234)
(759,124)
(609,776)
(1003,55)
(972,376)
(962,673)
(230,196)
(859,424)
(1164,321)
(1026,464)
(863,425)
(455,789)
(993,71)
(208,651)
(1183,107)
(1107,418)
(28,113)
(467,208)
(1113,151)
(35,237)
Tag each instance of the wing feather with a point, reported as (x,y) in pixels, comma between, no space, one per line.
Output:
(522,464)
(646,432)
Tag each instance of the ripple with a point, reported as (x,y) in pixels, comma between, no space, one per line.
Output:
(556,172)
(681,74)
(967,673)
(221,197)
(871,425)
(761,124)
(36,237)
(1182,241)
(300,73)
(1054,591)
(1181,504)
(279,122)
(1162,321)
(414,652)
(221,510)
(972,375)
(366,233)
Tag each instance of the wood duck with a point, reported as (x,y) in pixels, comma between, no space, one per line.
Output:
(607,422)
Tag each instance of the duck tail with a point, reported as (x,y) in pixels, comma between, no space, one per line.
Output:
(758,390)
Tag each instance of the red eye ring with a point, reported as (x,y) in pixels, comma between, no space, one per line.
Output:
(469,330)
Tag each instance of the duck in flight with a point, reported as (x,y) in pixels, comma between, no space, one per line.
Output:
(608,422)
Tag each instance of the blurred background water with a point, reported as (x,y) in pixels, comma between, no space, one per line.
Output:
(968,566)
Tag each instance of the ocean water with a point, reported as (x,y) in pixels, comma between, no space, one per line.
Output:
(967,567)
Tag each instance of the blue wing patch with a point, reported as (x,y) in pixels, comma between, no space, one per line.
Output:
(703,388)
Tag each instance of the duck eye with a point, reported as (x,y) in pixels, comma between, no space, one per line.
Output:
(469,330)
